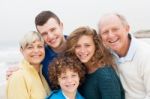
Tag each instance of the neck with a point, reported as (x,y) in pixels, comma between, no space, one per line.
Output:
(61,48)
(123,52)
(70,95)
(91,68)
(37,68)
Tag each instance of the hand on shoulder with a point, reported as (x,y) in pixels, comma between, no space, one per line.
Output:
(10,70)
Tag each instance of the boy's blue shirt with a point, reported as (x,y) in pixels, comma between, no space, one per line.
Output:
(57,94)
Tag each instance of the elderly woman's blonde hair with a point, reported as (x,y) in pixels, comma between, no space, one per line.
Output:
(29,38)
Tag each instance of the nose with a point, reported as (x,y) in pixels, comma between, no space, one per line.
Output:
(50,35)
(69,79)
(83,49)
(36,49)
(110,34)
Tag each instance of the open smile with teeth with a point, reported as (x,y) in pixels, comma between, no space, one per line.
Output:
(70,85)
(113,41)
(36,56)
(83,56)
(53,40)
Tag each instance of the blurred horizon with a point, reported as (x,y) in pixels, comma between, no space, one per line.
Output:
(17,16)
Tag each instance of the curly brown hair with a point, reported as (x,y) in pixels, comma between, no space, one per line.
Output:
(60,65)
(102,54)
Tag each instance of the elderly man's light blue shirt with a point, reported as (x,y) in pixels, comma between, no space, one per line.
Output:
(130,54)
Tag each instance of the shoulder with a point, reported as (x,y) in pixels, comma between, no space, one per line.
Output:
(142,52)
(107,72)
(56,94)
(79,96)
(17,75)
(17,79)
(49,53)
(143,46)
(108,81)
(48,49)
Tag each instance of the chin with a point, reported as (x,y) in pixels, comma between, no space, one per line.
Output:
(55,46)
(84,62)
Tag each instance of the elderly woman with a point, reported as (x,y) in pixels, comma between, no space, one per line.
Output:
(28,82)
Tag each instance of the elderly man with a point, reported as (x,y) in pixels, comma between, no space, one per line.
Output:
(132,55)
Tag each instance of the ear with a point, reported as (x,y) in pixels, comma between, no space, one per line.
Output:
(62,25)
(127,28)
(58,83)
(21,50)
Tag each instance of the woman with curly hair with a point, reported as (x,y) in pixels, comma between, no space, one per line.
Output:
(101,80)
(65,74)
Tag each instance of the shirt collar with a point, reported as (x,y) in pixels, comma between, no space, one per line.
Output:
(77,94)
(65,95)
(131,52)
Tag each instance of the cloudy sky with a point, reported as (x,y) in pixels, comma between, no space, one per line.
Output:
(17,16)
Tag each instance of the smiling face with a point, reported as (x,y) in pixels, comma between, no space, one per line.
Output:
(34,53)
(85,48)
(51,32)
(114,34)
(69,81)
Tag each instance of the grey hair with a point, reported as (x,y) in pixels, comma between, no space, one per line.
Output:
(29,38)
(121,17)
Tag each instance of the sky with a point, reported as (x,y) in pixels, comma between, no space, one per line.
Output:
(17,16)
